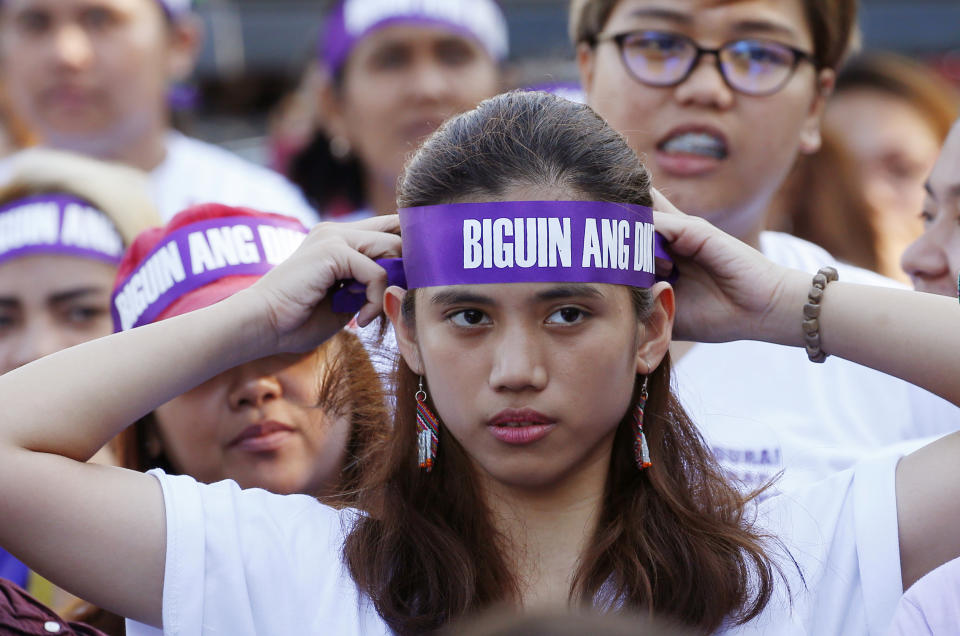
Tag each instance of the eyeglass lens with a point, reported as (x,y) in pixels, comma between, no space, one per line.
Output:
(750,66)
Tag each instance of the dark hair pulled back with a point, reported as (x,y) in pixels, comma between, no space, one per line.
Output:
(674,539)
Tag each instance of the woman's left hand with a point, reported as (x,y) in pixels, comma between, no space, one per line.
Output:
(726,290)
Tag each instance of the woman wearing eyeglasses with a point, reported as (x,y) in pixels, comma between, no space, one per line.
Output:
(720,98)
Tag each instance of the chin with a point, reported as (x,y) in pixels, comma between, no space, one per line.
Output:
(527,477)
(273,481)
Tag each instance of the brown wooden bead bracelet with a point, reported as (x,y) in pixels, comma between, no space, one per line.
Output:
(811,313)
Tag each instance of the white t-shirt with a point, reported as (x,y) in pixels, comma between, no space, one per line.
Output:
(931,607)
(764,408)
(197,172)
(247,562)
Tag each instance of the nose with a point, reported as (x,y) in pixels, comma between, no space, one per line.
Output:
(519,363)
(926,258)
(705,85)
(251,387)
(429,81)
(72,47)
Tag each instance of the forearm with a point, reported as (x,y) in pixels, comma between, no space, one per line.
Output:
(73,402)
(908,334)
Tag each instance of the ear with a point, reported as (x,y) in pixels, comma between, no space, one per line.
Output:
(656,332)
(406,338)
(586,60)
(810,133)
(186,38)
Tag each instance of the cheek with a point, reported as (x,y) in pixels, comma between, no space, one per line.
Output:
(953,252)
(619,99)
(476,83)
(370,118)
(189,435)
(454,382)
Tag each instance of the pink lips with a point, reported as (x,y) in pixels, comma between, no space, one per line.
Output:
(529,426)
(262,437)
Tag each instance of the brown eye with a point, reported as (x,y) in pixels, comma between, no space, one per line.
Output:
(469,318)
(567,316)
(390,57)
(34,22)
(454,52)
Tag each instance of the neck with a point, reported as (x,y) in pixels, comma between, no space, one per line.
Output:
(146,152)
(746,225)
(143,145)
(548,528)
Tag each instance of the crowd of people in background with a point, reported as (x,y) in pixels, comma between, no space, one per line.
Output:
(230,407)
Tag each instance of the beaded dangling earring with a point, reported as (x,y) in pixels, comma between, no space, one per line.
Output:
(640,448)
(427,431)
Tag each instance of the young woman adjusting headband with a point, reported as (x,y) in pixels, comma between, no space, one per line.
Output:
(543,460)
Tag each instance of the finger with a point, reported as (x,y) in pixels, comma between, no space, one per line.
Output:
(389,223)
(662,203)
(371,243)
(668,225)
(369,274)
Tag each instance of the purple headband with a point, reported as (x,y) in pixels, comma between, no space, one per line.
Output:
(521,242)
(57,224)
(352,20)
(197,255)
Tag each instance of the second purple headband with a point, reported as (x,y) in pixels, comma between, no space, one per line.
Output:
(521,242)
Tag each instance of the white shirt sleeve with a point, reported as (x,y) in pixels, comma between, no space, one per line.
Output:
(843,535)
(247,562)
(931,605)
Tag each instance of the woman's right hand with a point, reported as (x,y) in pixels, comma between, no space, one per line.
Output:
(291,303)
(726,290)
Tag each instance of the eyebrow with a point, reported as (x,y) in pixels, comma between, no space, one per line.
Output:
(573,290)
(460,297)
(663,13)
(750,27)
(58,298)
(744,27)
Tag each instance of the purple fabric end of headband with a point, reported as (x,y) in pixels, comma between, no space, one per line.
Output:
(338,43)
(352,296)
(43,228)
(196,255)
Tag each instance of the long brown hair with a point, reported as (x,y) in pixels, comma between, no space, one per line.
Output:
(349,385)
(673,539)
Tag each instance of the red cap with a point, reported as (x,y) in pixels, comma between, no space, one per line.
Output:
(208,294)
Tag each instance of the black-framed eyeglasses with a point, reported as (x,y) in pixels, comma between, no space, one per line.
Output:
(751,66)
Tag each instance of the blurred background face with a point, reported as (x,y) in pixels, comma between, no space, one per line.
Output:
(933,260)
(85,74)
(895,147)
(701,140)
(399,84)
(49,303)
(259,425)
